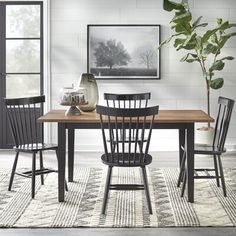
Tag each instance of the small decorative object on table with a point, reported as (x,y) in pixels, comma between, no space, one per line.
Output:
(89,83)
(69,96)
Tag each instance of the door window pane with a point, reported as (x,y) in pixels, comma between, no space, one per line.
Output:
(22,86)
(22,56)
(22,21)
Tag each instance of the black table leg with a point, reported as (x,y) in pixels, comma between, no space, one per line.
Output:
(71,147)
(61,161)
(190,161)
(181,144)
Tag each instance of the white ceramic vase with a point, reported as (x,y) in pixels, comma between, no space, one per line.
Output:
(204,135)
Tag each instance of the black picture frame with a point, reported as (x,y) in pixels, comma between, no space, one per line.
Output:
(124,51)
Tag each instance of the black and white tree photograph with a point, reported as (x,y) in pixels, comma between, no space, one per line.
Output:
(124,51)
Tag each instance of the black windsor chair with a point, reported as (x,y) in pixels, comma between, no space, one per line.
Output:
(126,153)
(216,149)
(138,100)
(27,135)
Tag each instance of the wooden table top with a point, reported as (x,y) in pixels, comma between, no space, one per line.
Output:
(164,116)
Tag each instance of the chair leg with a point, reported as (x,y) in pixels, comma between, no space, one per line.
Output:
(181,173)
(33,175)
(184,183)
(222,176)
(216,171)
(13,171)
(145,183)
(66,186)
(106,192)
(41,166)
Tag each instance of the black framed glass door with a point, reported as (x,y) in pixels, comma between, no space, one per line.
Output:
(21,55)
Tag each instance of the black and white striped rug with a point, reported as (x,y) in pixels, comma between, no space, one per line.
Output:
(125,208)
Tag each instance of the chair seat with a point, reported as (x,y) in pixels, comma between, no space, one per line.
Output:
(34,147)
(129,160)
(208,149)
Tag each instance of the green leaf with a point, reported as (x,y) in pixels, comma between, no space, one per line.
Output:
(190,39)
(178,42)
(227,58)
(218,65)
(183,29)
(182,18)
(167,40)
(189,46)
(210,48)
(224,26)
(194,55)
(214,39)
(200,25)
(199,43)
(217,83)
(219,21)
(170,5)
(196,22)
(191,60)
(225,38)
(186,57)
(209,33)
(190,42)
(162,44)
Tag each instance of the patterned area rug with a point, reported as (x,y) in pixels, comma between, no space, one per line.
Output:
(125,208)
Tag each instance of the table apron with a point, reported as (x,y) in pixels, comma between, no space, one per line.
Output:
(155,125)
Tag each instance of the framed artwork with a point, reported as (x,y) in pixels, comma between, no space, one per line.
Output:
(123,51)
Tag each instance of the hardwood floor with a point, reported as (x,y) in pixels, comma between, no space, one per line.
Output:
(90,159)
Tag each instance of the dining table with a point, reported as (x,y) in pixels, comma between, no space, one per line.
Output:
(182,120)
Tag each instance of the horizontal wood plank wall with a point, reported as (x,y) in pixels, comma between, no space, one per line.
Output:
(181,85)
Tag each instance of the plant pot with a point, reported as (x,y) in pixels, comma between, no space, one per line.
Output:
(204,135)
(89,83)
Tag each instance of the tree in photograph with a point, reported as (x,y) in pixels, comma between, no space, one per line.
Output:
(147,58)
(111,53)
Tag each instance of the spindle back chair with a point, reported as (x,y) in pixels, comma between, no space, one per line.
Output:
(137,100)
(27,134)
(132,150)
(22,114)
(127,101)
(225,108)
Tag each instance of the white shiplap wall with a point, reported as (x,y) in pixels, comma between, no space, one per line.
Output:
(181,85)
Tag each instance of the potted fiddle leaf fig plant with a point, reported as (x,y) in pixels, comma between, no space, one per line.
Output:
(202,45)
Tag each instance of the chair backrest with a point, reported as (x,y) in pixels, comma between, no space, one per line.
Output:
(115,119)
(138,100)
(22,115)
(222,121)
